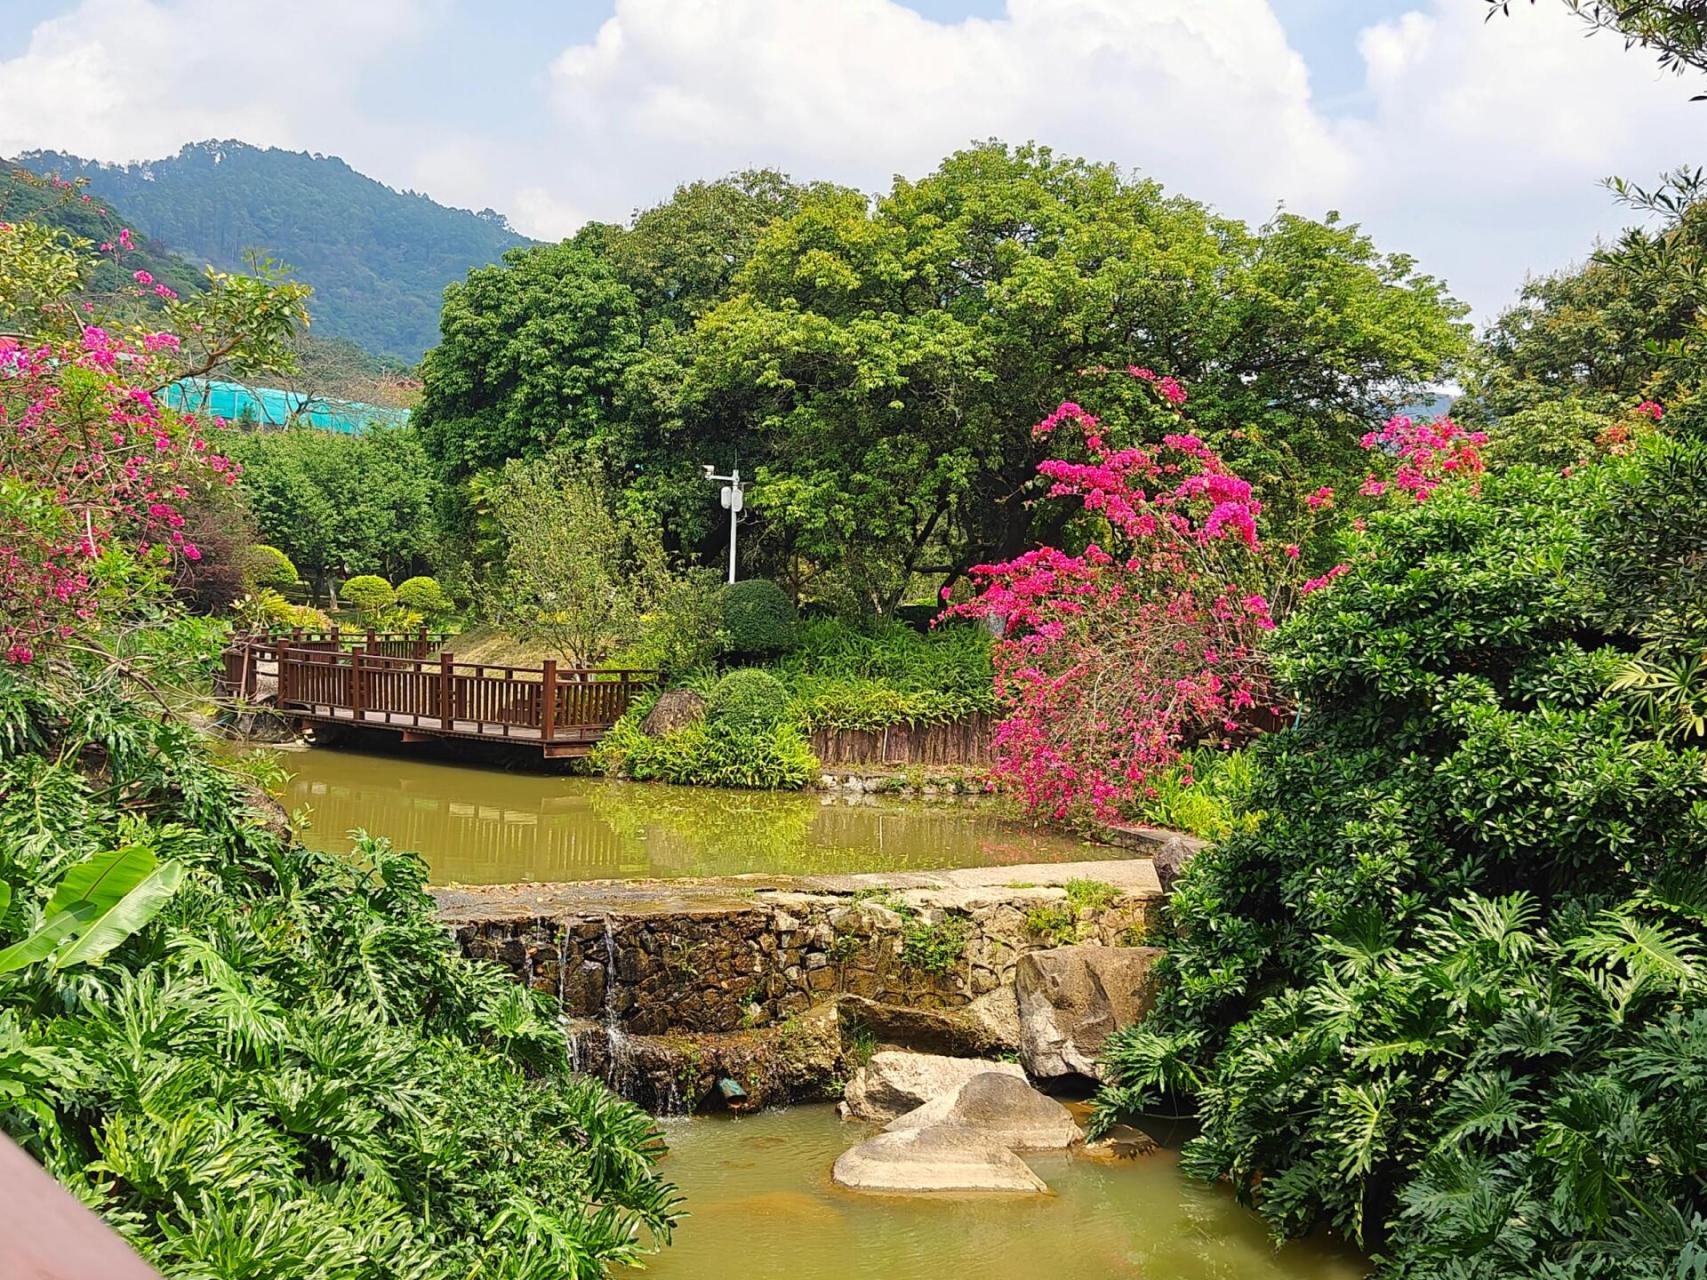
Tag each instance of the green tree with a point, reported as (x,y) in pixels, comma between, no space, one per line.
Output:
(530,358)
(891,358)
(577,573)
(335,503)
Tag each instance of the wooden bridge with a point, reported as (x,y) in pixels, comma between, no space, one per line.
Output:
(397,681)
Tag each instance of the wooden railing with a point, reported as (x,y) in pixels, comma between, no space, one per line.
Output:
(318,680)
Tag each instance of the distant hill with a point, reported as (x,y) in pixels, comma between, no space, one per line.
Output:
(378,259)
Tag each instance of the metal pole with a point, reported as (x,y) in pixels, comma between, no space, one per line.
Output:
(734,518)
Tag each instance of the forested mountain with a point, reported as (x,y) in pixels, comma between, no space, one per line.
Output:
(378,259)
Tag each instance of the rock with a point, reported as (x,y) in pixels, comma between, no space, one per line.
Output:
(1122,1142)
(1173,857)
(675,709)
(987,1027)
(1071,999)
(941,1158)
(894,1083)
(1000,1108)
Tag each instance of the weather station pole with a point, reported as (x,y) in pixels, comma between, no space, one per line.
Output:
(734,500)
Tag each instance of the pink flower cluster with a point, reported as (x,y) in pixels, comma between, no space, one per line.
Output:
(100,468)
(1114,659)
(1426,455)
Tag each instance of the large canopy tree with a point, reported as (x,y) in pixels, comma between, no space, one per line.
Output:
(892,357)
(878,364)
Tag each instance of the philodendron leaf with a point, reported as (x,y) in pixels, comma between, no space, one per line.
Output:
(90,944)
(5,900)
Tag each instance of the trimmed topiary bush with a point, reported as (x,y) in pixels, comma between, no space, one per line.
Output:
(424,595)
(368,592)
(747,701)
(758,617)
(270,567)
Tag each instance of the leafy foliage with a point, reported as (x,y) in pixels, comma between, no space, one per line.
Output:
(773,755)
(1420,995)
(843,676)
(369,593)
(424,595)
(758,618)
(747,700)
(284,1065)
(335,503)
(270,567)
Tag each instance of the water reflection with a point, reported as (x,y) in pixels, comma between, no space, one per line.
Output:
(763,1207)
(478,825)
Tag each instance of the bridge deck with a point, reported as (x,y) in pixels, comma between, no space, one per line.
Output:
(390,682)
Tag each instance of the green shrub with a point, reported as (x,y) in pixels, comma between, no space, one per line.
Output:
(773,757)
(424,595)
(270,567)
(934,947)
(1451,990)
(368,592)
(748,700)
(758,618)
(871,677)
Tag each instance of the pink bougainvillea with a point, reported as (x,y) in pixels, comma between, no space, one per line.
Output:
(92,466)
(1115,658)
(1425,454)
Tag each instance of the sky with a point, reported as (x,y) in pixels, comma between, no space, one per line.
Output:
(1476,147)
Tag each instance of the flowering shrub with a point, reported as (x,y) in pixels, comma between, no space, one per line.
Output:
(101,482)
(1115,658)
(95,478)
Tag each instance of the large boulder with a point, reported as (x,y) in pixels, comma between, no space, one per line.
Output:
(1000,1108)
(984,1028)
(939,1158)
(675,709)
(1071,999)
(894,1083)
(1173,857)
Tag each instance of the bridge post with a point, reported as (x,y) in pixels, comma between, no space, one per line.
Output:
(446,711)
(355,682)
(548,700)
(421,642)
(372,641)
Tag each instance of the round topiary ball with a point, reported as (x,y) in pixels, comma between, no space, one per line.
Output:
(424,595)
(747,700)
(270,567)
(368,592)
(758,617)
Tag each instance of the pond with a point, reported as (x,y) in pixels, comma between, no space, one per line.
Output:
(763,1208)
(477,825)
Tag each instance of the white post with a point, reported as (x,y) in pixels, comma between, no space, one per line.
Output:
(734,519)
(734,500)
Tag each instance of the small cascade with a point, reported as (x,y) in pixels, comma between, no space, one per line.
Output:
(620,1071)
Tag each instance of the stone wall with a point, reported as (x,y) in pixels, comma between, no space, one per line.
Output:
(720,968)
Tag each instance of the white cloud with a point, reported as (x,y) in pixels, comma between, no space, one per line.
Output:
(136,79)
(1208,96)
(1475,146)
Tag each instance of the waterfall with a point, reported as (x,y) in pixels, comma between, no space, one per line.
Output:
(619,1072)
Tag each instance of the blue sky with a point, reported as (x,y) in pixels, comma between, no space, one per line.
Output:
(1474,146)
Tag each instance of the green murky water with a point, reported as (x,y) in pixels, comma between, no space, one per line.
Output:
(763,1208)
(487,826)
